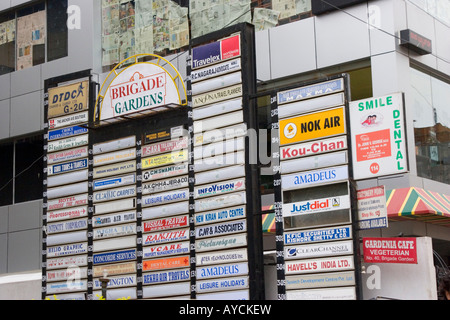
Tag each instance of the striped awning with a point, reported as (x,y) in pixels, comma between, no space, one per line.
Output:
(268,222)
(418,204)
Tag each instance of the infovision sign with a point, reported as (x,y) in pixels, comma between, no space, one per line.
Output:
(140,87)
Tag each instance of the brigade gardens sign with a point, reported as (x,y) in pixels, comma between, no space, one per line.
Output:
(140,87)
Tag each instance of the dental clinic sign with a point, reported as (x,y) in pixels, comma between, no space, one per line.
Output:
(140,87)
(378,136)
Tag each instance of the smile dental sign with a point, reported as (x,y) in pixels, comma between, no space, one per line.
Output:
(139,87)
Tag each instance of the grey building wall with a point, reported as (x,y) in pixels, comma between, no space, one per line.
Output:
(308,45)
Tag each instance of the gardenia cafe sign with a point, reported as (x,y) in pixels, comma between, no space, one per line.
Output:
(142,87)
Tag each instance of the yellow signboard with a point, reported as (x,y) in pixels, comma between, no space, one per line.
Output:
(68,99)
(163,159)
(312,126)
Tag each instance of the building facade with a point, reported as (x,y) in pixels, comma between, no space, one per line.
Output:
(385,47)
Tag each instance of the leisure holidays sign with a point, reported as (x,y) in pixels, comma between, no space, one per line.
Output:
(140,87)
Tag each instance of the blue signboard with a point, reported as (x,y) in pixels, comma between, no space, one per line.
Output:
(66,132)
(317,235)
(68,166)
(116,256)
(165,276)
(310,91)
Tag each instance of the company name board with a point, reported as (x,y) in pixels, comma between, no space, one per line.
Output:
(166,250)
(116,256)
(310,91)
(311,126)
(390,250)
(68,99)
(216,70)
(68,120)
(315,177)
(165,159)
(221,229)
(220,215)
(114,182)
(165,223)
(67,155)
(165,146)
(320,265)
(165,276)
(318,235)
(66,132)
(313,147)
(167,263)
(165,236)
(216,51)
(67,167)
(316,205)
(67,249)
(114,218)
(219,188)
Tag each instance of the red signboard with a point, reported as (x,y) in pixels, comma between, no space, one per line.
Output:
(390,250)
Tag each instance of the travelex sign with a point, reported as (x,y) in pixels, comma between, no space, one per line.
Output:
(139,87)
(216,51)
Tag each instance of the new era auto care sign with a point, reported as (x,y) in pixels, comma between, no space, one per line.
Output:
(139,87)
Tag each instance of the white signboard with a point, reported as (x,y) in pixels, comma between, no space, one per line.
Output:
(220,215)
(67,178)
(68,213)
(165,276)
(165,172)
(219,188)
(225,173)
(313,162)
(114,169)
(66,237)
(219,148)
(67,143)
(69,273)
(67,249)
(313,178)
(114,244)
(217,243)
(221,229)
(114,194)
(227,200)
(114,206)
(222,284)
(114,231)
(71,189)
(220,257)
(165,197)
(216,70)
(69,120)
(114,182)
(216,109)
(163,185)
(65,262)
(165,236)
(165,210)
(67,286)
(318,250)
(219,161)
(344,293)
(117,281)
(216,83)
(320,280)
(372,210)
(318,235)
(165,290)
(221,134)
(313,148)
(108,158)
(69,225)
(227,270)
(67,155)
(114,145)
(67,202)
(218,121)
(378,136)
(316,205)
(163,250)
(165,146)
(320,265)
(115,218)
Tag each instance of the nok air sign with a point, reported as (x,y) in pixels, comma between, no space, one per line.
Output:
(140,87)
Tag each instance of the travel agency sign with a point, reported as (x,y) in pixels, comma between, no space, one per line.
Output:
(141,87)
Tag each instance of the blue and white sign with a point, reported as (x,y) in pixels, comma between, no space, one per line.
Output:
(166,197)
(314,177)
(114,182)
(115,231)
(66,132)
(67,167)
(318,235)
(220,215)
(219,188)
(118,281)
(117,256)
(67,286)
(227,270)
(222,284)
(114,194)
(221,229)
(114,218)
(165,276)
(314,90)
(69,225)
(67,249)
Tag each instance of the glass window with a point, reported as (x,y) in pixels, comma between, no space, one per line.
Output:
(6,174)
(430,97)
(57,38)
(7,42)
(440,9)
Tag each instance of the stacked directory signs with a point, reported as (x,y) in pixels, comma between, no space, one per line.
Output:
(315,208)
(114,197)
(219,196)
(65,199)
(165,208)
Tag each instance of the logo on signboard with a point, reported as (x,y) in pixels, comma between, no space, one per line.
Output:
(290,130)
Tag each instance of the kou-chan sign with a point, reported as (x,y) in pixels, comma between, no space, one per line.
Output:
(378,136)
(390,250)
(142,86)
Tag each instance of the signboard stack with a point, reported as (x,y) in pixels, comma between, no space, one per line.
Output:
(65,253)
(222,196)
(165,208)
(115,214)
(315,256)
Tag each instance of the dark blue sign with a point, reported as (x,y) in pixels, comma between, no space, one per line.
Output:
(66,132)
(124,255)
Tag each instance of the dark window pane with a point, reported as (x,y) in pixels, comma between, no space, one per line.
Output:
(29,168)
(7,42)
(56,29)
(6,174)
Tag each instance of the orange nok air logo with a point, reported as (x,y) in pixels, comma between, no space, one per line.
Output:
(311,126)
